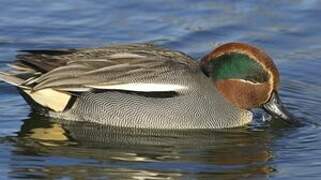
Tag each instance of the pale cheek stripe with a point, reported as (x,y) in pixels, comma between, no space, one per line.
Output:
(249,82)
(142,87)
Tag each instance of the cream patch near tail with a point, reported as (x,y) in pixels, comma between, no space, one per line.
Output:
(50,98)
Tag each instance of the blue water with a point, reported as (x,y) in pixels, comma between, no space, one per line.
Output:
(40,148)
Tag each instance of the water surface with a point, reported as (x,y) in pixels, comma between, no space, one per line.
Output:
(35,147)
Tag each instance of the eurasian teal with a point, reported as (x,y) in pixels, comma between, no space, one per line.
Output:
(144,86)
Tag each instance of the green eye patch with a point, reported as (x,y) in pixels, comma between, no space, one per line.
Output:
(237,66)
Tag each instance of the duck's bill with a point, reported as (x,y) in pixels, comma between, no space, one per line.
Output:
(276,109)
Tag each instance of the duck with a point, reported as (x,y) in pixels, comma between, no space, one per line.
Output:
(142,85)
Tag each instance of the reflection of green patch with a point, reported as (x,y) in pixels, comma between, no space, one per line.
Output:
(237,66)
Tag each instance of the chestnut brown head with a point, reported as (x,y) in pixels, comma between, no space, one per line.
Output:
(245,75)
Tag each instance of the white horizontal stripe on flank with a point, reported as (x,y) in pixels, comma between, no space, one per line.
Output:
(80,89)
(126,55)
(142,87)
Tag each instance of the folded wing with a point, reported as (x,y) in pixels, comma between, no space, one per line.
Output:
(137,67)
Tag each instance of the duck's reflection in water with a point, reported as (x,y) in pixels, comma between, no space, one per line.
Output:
(48,148)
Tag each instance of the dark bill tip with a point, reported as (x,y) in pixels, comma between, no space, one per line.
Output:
(275,108)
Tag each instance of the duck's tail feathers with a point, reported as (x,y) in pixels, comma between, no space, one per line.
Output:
(13,79)
(46,98)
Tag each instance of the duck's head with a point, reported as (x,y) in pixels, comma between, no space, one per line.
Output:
(246,76)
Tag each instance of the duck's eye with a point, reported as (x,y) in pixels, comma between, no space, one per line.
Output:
(237,66)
